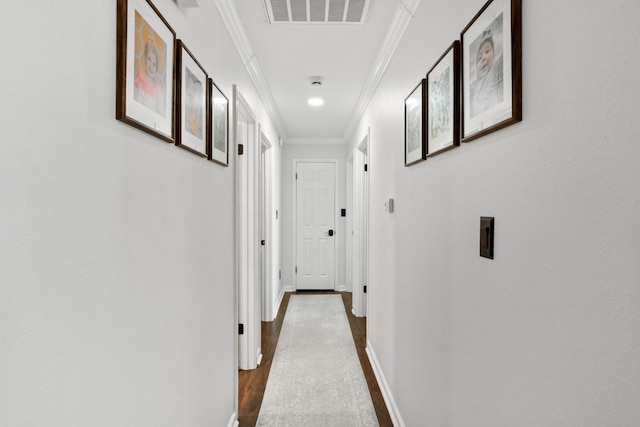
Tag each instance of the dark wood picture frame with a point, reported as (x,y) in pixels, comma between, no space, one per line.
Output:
(218,127)
(492,69)
(443,102)
(192,96)
(145,57)
(415,147)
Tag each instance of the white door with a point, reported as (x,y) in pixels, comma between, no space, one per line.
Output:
(315,225)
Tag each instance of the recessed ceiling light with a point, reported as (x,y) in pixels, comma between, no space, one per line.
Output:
(316,101)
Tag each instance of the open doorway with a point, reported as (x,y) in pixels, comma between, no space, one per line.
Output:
(249,270)
(266,228)
(360,234)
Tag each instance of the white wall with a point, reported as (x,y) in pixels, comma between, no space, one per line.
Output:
(311,151)
(546,334)
(116,257)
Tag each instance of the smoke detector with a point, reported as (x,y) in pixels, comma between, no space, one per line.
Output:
(316,80)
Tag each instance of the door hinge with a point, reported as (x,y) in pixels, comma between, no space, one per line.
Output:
(279,274)
(366,167)
(240,329)
(296,269)
(296,175)
(240,149)
(365,289)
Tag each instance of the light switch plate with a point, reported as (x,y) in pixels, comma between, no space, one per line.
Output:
(486,236)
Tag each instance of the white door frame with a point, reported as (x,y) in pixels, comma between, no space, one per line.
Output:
(360,249)
(336,247)
(266,227)
(248,251)
(350,235)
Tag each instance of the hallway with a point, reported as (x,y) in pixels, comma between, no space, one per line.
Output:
(120,265)
(252,383)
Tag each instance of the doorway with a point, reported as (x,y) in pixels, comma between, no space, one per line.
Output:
(248,228)
(266,232)
(360,234)
(315,215)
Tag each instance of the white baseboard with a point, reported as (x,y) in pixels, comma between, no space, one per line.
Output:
(394,412)
(233,421)
(278,304)
(342,288)
(289,288)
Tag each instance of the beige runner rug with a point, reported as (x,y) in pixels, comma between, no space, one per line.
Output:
(316,378)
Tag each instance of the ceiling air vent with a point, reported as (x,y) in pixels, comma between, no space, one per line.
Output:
(317,11)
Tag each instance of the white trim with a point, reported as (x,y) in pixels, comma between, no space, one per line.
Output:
(314,140)
(404,12)
(290,288)
(247,239)
(259,357)
(392,407)
(266,223)
(342,288)
(336,218)
(360,236)
(233,421)
(231,19)
(278,304)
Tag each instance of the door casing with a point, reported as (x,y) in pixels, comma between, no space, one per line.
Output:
(360,246)
(338,231)
(247,234)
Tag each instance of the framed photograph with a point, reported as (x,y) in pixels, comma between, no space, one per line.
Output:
(492,69)
(415,149)
(192,103)
(218,127)
(145,56)
(443,102)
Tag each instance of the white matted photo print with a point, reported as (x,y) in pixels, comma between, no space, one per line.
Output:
(492,70)
(414,142)
(144,78)
(192,103)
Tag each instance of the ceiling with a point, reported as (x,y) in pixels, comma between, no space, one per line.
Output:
(282,58)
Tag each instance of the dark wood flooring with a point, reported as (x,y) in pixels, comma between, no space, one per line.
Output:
(251,384)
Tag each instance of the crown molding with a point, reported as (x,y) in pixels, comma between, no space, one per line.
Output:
(315,140)
(231,19)
(404,12)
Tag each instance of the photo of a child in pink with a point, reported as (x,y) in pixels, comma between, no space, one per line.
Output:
(149,87)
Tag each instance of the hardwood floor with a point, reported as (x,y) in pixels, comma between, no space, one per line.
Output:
(251,384)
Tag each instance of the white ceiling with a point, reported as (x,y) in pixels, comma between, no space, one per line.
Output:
(287,55)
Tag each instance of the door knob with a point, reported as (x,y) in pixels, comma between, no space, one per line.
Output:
(330,232)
